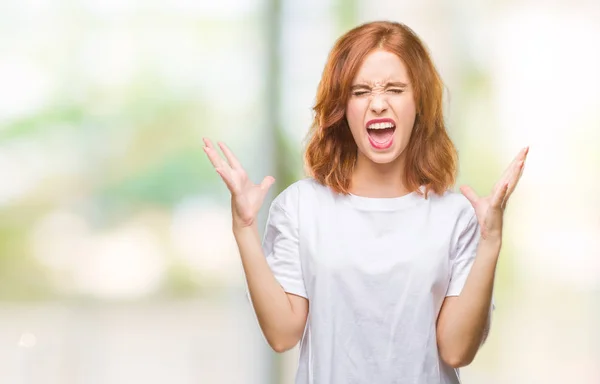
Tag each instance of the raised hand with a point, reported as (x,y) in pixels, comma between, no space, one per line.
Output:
(246,197)
(490,209)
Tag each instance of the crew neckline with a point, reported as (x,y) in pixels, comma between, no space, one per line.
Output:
(385,203)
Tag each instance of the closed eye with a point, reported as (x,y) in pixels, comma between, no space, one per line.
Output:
(395,91)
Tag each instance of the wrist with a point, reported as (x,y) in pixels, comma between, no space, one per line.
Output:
(240,229)
(491,245)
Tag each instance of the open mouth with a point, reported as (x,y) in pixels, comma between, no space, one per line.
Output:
(381,133)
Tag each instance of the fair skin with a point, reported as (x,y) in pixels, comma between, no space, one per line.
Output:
(381,89)
(281,316)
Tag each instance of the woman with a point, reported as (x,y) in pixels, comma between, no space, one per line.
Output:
(380,271)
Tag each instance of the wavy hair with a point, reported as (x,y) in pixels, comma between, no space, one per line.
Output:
(331,153)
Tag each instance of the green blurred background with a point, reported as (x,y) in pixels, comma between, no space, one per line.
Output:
(117,264)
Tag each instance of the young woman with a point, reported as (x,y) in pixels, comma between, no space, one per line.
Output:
(380,271)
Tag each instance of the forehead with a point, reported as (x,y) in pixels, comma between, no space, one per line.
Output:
(380,67)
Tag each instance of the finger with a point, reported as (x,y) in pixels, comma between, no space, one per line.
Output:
(502,180)
(233,161)
(499,196)
(207,142)
(214,157)
(511,167)
(267,182)
(213,154)
(226,176)
(523,153)
(515,180)
(469,194)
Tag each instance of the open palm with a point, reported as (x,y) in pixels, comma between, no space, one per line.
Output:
(246,197)
(490,209)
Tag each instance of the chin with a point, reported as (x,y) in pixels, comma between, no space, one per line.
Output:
(382,157)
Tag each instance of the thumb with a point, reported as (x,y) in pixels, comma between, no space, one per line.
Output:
(266,183)
(469,194)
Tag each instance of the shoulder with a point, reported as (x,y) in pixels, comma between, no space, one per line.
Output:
(453,204)
(304,190)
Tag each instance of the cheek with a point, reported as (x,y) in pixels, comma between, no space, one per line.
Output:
(406,112)
(354,116)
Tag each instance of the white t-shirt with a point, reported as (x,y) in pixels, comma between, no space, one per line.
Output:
(375,272)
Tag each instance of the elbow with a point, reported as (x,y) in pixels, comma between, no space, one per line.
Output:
(461,355)
(457,360)
(456,353)
(456,356)
(281,343)
(281,346)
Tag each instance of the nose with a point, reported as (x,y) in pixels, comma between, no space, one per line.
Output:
(378,103)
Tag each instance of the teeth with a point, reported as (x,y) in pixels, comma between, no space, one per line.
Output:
(380,126)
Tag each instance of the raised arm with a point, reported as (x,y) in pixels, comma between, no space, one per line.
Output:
(281,316)
(464,320)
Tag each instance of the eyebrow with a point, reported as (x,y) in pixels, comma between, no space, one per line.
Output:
(391,84)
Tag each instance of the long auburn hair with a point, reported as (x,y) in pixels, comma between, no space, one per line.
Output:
(331,153)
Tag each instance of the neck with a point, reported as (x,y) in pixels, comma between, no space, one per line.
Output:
(370,179)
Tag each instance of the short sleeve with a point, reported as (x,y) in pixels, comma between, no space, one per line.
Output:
(463,256)
(280,246)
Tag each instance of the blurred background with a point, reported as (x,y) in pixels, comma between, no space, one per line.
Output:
(117,264)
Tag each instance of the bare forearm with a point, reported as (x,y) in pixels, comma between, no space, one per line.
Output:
(271,304)
(465,324)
